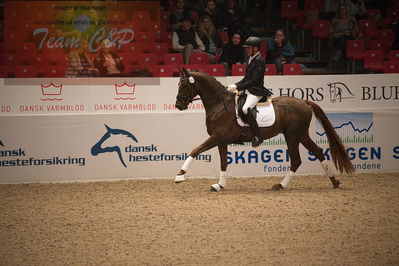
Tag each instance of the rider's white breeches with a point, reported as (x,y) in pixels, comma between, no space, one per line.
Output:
(251,101)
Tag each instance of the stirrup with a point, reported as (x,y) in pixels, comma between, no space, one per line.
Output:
(256,141)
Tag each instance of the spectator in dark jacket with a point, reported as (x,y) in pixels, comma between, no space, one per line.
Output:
(280,51)
(209,36)
(233,53)
(178,14)
(186,40)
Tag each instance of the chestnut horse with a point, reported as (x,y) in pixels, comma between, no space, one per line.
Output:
(292,115)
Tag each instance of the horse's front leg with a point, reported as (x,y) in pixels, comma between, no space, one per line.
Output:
(223,166)
(208,144)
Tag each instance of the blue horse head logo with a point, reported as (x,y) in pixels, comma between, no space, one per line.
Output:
(97,149)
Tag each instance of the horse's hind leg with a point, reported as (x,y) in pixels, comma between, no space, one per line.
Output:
(293,150)
(318,152)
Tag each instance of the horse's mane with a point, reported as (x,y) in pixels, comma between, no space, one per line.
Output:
(212,80)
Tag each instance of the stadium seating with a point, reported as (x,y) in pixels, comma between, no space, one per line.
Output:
(292,69)
(390,67)
(238,69)
(270,69)
(215,70)
(373,59)
(199,58)
(173,59)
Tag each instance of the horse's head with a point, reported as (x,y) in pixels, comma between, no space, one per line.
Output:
(187,90)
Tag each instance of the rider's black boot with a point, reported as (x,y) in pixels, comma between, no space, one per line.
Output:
(257,140)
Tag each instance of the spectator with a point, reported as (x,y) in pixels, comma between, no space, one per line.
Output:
(186,40)
(233,18)
(212,11)
(80,63)
(280,51)
(178,14)
(357,8)
(342,28)
(330,8)
(108,62)
(209,36)
(232,53)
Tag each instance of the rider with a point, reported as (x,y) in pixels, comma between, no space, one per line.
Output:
(252,85)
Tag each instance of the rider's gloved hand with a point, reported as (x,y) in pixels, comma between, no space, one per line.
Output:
(232,88)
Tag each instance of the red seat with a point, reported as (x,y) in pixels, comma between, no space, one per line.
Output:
(393,55)
(270,69)
(134,48)
(12,60)
(387,35)
(173,59)
(166,37)
(312,4)
(163,70)
(164,20)
(52,71)
(390,67)
(374,60)
(199,58)
(224,37)
(116,15)
(238,69)
(159,48)
(289,9)
(263,49)
(128,58)
(321,31)
(367,27)
(145,37)
(292,69)
(25,72)
(355,49)
(215,70)
(147,59)
(27,48)
(192,67)
(142,16)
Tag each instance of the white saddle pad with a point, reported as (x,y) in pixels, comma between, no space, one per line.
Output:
(265,116)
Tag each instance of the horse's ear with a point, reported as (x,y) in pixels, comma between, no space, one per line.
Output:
(181,72)
(186,72)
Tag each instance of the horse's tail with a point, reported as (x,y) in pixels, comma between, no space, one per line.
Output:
(338,153)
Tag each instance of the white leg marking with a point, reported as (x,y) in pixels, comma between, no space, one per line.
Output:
(187,163)
(287,179)
(223,179)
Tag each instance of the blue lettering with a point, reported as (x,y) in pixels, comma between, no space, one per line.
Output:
(266,156)
(240,157)
(277,156)
(253,155)
(396,152)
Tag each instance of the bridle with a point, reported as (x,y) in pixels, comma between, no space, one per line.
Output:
(187,100)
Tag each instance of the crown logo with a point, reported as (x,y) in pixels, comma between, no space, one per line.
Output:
(125,89)
(51,90)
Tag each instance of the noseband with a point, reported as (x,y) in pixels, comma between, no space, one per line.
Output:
(184,98)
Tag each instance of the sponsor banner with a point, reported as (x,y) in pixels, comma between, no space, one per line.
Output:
(153,95)
(337,91)
(51,148)
(98,147)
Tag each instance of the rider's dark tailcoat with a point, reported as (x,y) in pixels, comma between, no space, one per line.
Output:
(254,78)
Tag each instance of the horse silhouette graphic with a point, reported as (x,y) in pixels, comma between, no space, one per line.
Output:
(97,149)
(339,91)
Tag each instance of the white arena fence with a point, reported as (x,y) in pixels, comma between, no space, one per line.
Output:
(58,130)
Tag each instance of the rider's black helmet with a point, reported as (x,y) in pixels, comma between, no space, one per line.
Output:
(253,41)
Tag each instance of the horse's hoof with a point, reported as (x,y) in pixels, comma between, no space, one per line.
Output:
(336,183)
(180,178)
(277,187)
(216,187)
